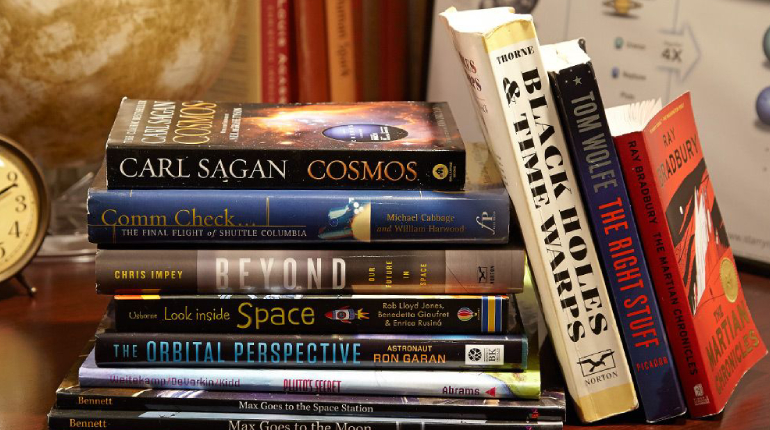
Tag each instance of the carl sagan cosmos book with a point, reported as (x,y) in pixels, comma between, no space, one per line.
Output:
(196,144)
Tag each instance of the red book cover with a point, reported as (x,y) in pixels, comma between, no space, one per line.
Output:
(312,59)
(711,332)
(393,50)
(276,60)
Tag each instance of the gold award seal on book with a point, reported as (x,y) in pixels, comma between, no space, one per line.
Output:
(729,279)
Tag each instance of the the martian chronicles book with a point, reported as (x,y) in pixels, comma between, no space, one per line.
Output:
(196,144)
(712,335)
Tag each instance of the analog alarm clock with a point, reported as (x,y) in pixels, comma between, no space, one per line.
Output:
(24,209)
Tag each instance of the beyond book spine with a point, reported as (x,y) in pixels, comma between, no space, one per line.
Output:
(321,271)
(441,383)
(509,83)
(712,334)
(382,145)
(161,420)
(593,152)
(481,214)
(312,314)
(368,351)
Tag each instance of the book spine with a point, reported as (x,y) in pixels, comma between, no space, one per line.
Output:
(276,62)
(508,81)
(161,420)
(323,271)
(656,240)
(312,60)
(284,169)
(601,179)
(296,216)
(441,383)
(371,58)
(341,43)
(312,314)
(393,51)
(314,351)
(310,404)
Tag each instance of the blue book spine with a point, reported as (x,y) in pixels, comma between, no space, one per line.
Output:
(481,214)
(617,238)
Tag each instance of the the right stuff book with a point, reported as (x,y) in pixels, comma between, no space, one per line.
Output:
(712,335)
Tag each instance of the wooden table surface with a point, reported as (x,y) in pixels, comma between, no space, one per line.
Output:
(41,337)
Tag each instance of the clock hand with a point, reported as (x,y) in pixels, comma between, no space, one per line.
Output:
(6,189)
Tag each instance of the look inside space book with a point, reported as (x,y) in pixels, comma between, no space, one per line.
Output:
(711,332)
(198,144)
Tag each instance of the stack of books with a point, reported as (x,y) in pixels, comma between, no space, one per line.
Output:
(287,267)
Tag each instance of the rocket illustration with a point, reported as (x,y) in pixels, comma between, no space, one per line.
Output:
(346,315)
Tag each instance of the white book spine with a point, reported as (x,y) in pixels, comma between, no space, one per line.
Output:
(519,119)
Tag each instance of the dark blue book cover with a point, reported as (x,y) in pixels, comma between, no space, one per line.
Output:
(480,214)
(606,198)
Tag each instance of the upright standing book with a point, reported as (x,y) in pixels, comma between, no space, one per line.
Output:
(500,53)
(713,337)
(197,144)
(598,167)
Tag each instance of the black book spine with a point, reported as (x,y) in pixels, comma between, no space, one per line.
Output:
(316,351)
(161,420)
(228,168)
(125,399)
(312,314)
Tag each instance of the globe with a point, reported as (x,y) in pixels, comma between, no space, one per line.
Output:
(66,64)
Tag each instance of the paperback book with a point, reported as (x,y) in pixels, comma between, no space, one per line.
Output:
(334,351)
(197,144)
(441,383)
(598,167)
(712,334)
(164,420)
(478,215)
(500,54)
(71,395)
(312,314)
(317,271)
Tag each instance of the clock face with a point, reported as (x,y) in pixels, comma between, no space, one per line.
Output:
(20,206)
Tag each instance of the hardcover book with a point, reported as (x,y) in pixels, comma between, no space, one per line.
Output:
(197,144)
(500,54)
(333,351)
(71,395)
(308,271)
(480,214)
(312,314)
(712,335)
(164,420)
(441,383)
(598,167)
(312,50)
(340,34)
